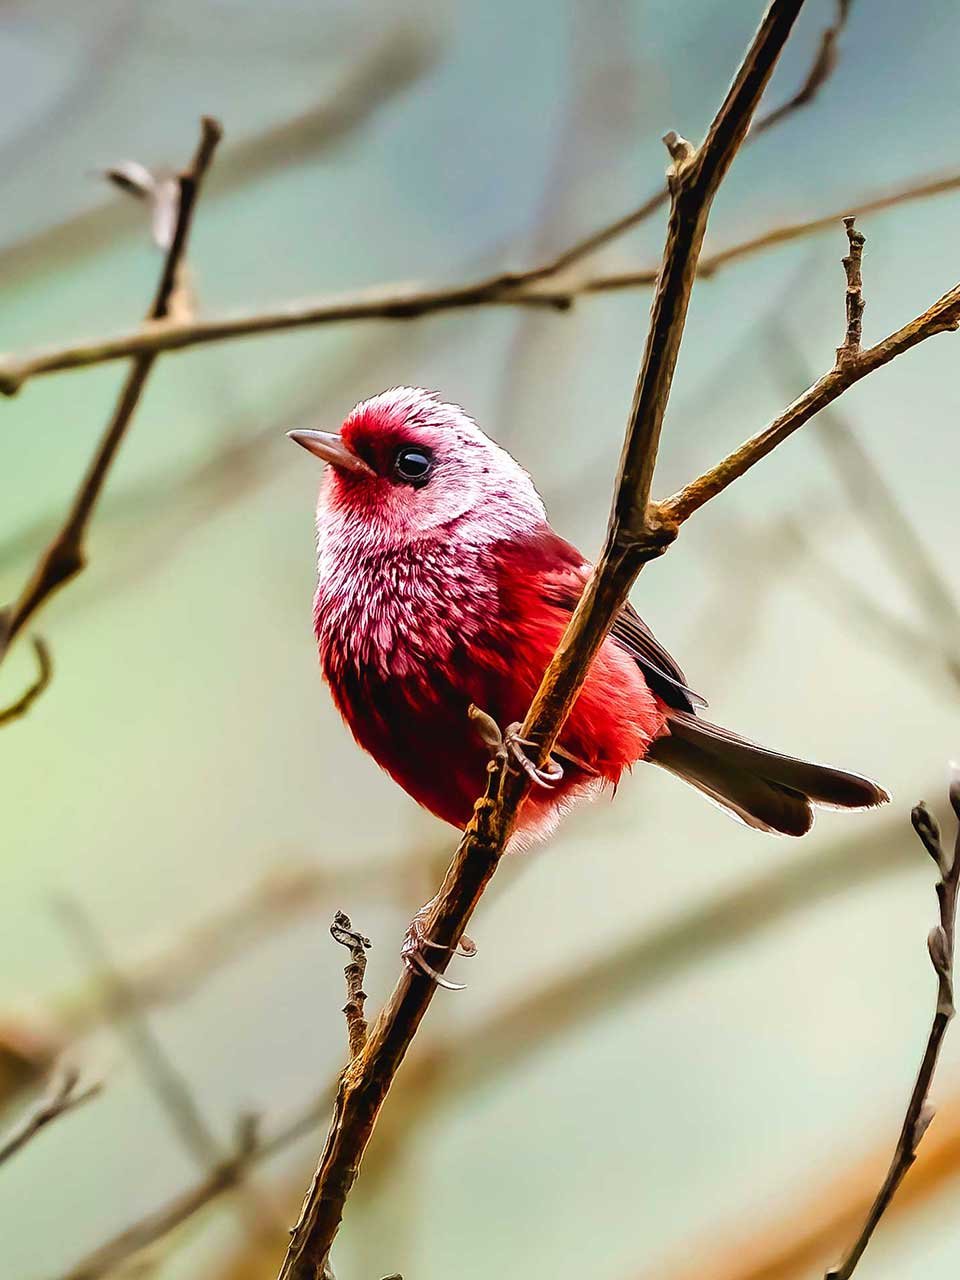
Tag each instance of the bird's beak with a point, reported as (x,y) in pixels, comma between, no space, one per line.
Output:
(332,449)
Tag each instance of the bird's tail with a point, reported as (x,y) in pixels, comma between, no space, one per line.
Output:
(764,789)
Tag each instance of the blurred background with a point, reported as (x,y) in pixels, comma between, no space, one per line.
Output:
(685,1048)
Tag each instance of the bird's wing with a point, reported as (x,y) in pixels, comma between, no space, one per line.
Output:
(662,673)
(561,573)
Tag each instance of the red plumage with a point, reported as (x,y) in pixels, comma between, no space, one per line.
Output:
(441,584)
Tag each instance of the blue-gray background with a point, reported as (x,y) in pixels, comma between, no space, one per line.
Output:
(187,746)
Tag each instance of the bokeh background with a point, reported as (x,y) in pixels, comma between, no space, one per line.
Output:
(683,1043)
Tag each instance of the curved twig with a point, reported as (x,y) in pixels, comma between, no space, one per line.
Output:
(940,944)
(44,673)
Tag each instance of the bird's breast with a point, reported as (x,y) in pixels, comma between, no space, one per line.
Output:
(399,613)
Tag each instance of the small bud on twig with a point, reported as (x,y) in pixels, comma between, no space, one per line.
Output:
(928,829)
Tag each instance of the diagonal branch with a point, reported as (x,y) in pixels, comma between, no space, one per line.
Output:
(65,555)
(821,69)
(940,944)
(64,1096)
(537,287)
(14,710)
(942,317)
(634,537)
(160,1074)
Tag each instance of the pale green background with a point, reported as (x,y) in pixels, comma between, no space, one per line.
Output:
(187,744)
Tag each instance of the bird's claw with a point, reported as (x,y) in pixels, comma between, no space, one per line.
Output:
(512,749)
(415,942)
(545,775)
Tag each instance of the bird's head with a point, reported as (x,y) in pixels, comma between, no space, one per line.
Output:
(406,466)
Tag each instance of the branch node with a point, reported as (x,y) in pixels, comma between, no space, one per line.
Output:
(939,954)
(928,829)
(682,153)
(854,305)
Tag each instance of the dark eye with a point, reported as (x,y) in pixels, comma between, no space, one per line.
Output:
(413,465)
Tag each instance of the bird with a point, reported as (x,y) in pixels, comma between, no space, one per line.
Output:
(441,587)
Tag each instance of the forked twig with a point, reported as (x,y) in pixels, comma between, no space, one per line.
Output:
(940,944)
(65,555)
(64,1095)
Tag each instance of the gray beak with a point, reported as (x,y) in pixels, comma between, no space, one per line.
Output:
(330,448)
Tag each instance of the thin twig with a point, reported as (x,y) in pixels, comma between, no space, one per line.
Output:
(65,556)
(936,632)
(942,317)
(44,673)
(531,288)
(397,56)
(821,68)
(160,1073)
(924,652)
(850,347)
(877,503)
(64,1096)
(635,536)
(342,931)
(792,1245)
(172,1090)
(156,1226)
(940,944)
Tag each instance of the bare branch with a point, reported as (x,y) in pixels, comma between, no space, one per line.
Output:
(64,557)
(936,631)
(155,1226)
(793,1246)
(536,287)
(940,944)
(161,1075)
(823,65)
(397,57)
(44,673)
(65,1095)
(635,536)
(821,69)
(342,931)
(942,317)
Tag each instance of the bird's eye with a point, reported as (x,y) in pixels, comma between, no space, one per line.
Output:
(413,465)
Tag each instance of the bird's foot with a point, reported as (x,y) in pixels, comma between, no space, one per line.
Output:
(509,747)
(416,942)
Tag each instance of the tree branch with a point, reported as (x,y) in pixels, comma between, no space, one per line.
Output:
(635,536)
(822,67)
(65,557)
(226,1177)
(158,1071)
(44,673)
(64,1096)
(792,1246)
(542,287)
(941,317)
(940,944)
